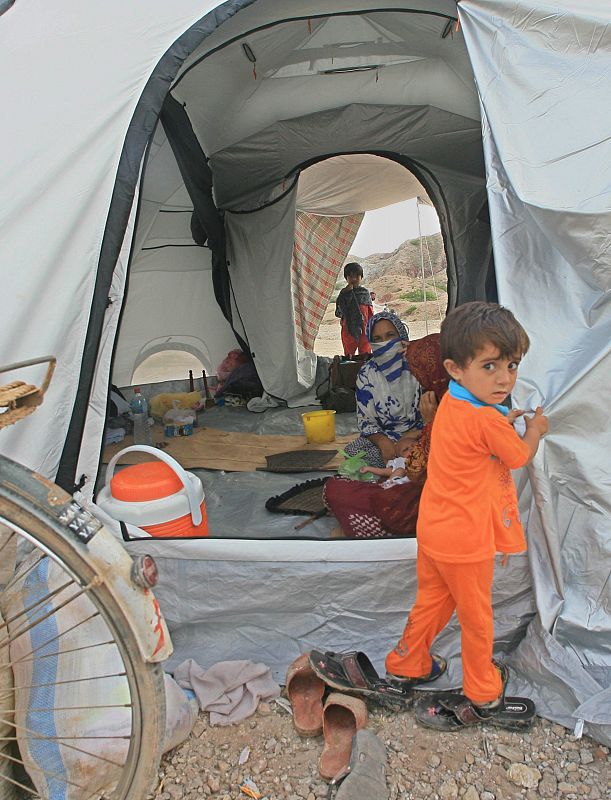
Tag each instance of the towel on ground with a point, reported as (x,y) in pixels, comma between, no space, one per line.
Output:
(229,690)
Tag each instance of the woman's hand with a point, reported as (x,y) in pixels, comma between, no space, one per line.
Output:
(428,407)
(385,445)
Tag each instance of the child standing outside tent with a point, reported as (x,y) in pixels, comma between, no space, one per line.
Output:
(468,510)
(354,307)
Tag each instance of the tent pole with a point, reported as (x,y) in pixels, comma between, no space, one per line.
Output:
(426,314)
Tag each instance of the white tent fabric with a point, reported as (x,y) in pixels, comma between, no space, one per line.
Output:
(356,183)
(510,112)
(167,306)
(76,84)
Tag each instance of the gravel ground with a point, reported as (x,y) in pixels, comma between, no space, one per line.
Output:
(482,763)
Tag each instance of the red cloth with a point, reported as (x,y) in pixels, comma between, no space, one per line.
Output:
(367,511)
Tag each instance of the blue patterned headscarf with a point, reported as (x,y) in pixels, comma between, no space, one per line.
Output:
(388,356)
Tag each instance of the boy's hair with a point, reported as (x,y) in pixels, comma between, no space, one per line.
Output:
(353,268)
(469,327)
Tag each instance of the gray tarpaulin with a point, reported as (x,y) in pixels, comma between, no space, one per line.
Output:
(548,153)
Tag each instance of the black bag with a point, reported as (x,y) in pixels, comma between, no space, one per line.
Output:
(338,390)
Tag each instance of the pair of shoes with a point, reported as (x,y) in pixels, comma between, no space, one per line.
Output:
(338,719)
(353,673)
(438,668)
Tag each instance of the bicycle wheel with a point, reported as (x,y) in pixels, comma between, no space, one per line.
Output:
(86,714)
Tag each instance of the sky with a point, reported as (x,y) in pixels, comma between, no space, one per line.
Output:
(384,229)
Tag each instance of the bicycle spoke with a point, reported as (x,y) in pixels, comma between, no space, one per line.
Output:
(61,740)
(40,769)
(9,538)
(67,708)
(55,638)
(61,683)
(33,792)
(43,572)
(16,634)
(40,602)
(21,576)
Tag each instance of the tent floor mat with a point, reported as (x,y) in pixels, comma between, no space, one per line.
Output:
(216,449)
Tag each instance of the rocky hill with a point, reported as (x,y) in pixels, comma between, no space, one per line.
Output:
(397,280)
(405,260)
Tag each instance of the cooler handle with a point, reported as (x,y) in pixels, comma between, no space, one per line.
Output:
(194,506)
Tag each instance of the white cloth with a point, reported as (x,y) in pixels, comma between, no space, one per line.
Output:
(229,690)
(258,404)
(395,463)
(382,407)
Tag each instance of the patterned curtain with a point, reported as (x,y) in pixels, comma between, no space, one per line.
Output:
(321,247)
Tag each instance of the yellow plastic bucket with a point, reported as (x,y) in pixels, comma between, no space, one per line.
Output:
(319,426)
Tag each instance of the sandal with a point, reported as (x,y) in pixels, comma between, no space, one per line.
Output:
(353,673)
(366,778)
(305,691)
(446,711)
(342,717)
(450,711)
(439,667)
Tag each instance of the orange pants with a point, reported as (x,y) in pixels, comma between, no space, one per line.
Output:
(351,345)
(443,587)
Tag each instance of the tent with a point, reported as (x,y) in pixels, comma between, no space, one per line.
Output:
(150,192)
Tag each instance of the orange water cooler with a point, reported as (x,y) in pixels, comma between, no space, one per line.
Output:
(160,497)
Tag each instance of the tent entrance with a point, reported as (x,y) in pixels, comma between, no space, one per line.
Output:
(418,105)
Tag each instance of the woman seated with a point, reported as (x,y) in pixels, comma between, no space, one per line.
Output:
(390,507)
(387,394)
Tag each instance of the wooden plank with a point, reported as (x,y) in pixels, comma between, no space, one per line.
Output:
(232,451)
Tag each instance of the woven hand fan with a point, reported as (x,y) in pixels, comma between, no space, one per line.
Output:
(304,498)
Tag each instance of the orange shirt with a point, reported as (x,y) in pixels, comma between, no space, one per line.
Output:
(469,507)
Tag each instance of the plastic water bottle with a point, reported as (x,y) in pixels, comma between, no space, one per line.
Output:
(140,415)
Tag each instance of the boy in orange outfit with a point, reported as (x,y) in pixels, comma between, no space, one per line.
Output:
(469,511)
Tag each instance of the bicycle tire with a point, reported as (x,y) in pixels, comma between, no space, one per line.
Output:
(27,511)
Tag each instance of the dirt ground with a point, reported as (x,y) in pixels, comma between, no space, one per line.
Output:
(482,763)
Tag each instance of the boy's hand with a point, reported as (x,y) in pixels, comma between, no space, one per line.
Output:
(514,414)
(538,422)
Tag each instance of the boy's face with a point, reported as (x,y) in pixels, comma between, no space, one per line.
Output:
(353,279)
(487,376)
